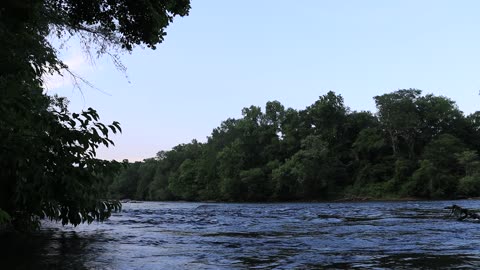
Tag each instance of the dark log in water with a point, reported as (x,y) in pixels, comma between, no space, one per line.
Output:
(462,213)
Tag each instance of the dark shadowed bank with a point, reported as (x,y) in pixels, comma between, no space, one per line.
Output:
(413,146)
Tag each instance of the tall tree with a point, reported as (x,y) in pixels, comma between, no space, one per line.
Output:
(398,115)
(47,154)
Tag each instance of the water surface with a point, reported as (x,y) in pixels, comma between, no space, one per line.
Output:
(158,235)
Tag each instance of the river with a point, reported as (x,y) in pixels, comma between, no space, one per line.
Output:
(159,235)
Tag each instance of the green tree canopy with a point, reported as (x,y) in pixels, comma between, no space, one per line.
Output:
(327,151)
(48,166)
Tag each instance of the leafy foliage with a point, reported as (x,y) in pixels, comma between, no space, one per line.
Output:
(4,217)
(414,146)
(48,166)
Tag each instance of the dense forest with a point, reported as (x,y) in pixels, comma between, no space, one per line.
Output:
(415,145)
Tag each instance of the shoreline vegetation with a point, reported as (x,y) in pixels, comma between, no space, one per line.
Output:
(340,200)
(414,146)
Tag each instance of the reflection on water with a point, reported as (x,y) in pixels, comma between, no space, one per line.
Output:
(393,235)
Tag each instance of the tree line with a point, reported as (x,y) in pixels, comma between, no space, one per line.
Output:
(414,145)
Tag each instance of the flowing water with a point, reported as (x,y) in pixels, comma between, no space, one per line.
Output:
(158,235)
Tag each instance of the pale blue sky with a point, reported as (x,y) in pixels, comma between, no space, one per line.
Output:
(232,54)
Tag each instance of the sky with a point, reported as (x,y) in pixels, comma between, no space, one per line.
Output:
(227,55)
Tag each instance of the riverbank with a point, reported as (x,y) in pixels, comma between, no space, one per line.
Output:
(358,199)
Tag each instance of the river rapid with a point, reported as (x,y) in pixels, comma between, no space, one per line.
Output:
(159,235)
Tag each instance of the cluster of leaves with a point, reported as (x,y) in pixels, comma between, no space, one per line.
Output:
(4,217)
(47,160)
(47,154)
(414,145)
